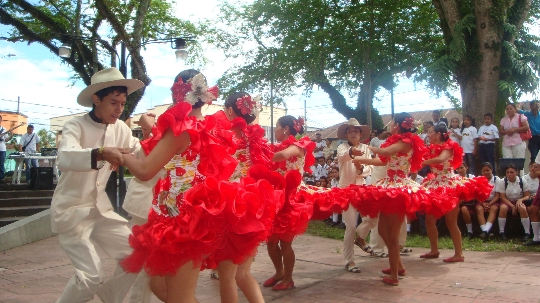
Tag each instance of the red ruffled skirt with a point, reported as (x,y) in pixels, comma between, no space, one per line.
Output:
(293,218)
(164,243)
(388,197)
(448,192)
(326,201)
(249,216)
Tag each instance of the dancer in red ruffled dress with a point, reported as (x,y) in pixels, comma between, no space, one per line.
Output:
(395,195)
(184,225)
(445,156)
(251,214)
(292,157)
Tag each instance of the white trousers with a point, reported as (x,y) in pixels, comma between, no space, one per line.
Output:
(140,291)
(514,151)
(350,217)
(89,279)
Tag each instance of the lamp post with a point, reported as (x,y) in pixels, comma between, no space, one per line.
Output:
(64,51)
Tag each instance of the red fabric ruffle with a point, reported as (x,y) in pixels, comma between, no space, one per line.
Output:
(325,200)
(304,143)
(370,200)
(260,153)
(178,120)
(446,198)
(417,145)
(249,216)
(293,217)
(165,243)
(436,149)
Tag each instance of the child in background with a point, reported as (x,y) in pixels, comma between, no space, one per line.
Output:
(488,134)
(532,180)
(514,191)
(466,207)
(334,183)
(491,205)
(329,165)
(323,181)
(455,131)
(469,143)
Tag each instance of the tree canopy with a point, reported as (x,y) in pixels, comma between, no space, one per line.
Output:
(342,47)
(488,52)
(106,24)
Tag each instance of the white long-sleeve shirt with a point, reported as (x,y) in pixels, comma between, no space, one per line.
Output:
(348,173)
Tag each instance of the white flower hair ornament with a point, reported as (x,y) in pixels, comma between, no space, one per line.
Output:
(196,89)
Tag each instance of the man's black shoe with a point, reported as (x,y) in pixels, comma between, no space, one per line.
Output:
(503,236)
(532,243)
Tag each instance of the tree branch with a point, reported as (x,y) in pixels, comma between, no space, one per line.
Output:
(45,19)
(338,101)
(30,36)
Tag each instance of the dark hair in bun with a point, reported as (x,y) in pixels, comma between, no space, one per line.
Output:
(231,103)
(185,75)
(289,121)
(441,128)
(399,119)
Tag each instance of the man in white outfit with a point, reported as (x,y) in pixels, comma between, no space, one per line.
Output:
(81,212)
(354,134)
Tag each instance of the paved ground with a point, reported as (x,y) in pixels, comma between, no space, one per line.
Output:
(38,272)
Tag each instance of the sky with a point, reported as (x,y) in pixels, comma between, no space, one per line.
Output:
(41,81)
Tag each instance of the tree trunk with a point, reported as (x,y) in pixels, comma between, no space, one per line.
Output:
(480,92)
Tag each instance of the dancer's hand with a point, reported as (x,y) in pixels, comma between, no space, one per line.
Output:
(357,152)
(112,155)
(358,161)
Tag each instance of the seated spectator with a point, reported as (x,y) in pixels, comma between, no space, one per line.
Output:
(328,150)
(534,213)
(334,175)
(320,169)
(491,205)
(532,180)
(329,164)
(466,207)
(324,182)
(513,190)
(463,171)
(318,183)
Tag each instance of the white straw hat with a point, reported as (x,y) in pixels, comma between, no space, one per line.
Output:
(107,78)
(342,130)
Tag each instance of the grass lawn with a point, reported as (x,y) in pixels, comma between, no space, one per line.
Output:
(319,228)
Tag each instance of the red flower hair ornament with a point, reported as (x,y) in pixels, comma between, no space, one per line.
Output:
(408,123)
(249,106)
(194,90)
(445,136)
(298,124)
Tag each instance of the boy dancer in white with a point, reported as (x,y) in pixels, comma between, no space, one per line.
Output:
(81,213)
(353,133)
